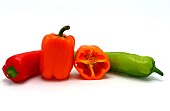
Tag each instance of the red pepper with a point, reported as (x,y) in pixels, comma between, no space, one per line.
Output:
(20,67)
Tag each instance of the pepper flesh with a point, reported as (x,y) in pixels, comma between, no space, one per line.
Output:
(132,64)
(91,62)
(57,55)
(20,67)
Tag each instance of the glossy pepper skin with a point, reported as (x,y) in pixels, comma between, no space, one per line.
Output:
(20,67)
(132,64)
(91,62)
(57,55)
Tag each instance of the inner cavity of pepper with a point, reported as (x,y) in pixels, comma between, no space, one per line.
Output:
(92,63)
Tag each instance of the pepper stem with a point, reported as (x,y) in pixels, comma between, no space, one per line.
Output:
(63,29)
(155,69)
(11,72)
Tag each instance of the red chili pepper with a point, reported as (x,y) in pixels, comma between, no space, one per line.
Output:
(20,67)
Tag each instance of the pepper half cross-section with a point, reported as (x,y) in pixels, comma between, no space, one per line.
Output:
(91,62)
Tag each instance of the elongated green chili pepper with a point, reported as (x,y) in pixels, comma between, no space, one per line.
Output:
(132,64)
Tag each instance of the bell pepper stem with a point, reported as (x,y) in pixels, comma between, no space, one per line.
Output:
(11,72)
(63,29)
(155,69)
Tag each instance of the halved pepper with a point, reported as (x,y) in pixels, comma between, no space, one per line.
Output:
(57,55)
(91,62)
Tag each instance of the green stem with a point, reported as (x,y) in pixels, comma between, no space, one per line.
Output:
(11,72)
(155,69)
(62,30)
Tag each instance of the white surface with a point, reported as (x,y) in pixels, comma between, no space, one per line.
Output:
(141,27)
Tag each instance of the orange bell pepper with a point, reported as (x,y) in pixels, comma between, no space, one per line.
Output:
(57,55)
(91,62)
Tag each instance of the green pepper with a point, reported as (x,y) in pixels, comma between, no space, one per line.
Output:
(132,64)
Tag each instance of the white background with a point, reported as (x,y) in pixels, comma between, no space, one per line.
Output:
(135,26)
